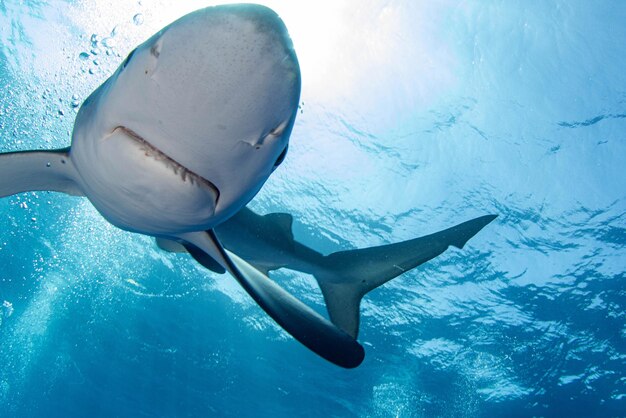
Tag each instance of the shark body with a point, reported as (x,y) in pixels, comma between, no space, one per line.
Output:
(183,135)
(267,242)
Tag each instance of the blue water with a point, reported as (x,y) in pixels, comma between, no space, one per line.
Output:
(416,115)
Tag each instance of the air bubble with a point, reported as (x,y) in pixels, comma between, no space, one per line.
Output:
(7,308)
(138,19)
(83,56)
(108,42)
(94,41)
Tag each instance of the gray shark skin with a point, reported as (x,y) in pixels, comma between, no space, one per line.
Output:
(183,135)
(267,243)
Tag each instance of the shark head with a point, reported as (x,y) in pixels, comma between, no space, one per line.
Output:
(192,123)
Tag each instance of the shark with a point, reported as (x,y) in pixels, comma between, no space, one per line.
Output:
(268,243)
(181,137)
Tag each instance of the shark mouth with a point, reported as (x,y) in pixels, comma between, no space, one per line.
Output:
(184,173)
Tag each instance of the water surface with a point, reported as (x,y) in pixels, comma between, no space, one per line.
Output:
(416,115)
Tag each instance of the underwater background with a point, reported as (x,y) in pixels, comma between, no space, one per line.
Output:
(415,116)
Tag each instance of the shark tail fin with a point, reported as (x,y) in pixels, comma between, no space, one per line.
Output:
(346,276)
(38,170)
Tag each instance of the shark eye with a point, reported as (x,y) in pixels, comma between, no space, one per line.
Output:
(281,157)
(127,60)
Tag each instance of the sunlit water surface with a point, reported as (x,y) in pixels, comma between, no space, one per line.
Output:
(416,115)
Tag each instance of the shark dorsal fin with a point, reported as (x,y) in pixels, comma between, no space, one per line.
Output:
(283,222)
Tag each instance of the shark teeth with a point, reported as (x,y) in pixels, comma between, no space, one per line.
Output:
(153,152)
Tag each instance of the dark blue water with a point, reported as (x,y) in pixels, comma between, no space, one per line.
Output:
(415,116)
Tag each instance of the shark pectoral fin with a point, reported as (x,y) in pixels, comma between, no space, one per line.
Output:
(38,170)
(173,246)
(346,276)
(170,245)
(204,259)
(303,323)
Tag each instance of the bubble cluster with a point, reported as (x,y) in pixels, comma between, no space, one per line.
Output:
(94,58)
(7,309)
(98,47)
(75,102)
